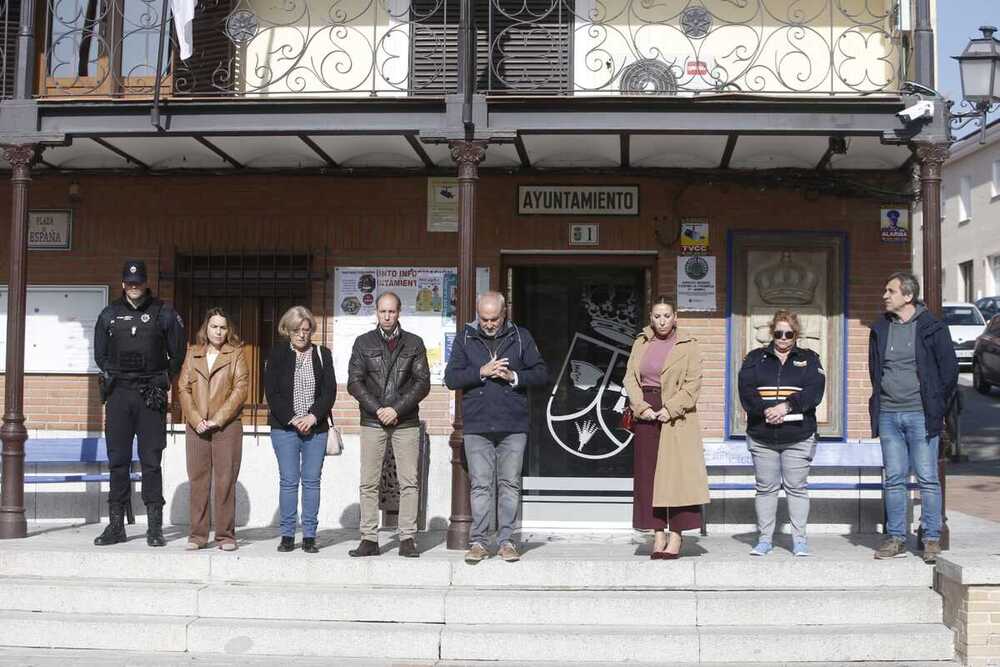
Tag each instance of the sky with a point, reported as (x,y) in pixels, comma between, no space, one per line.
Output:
(958,21)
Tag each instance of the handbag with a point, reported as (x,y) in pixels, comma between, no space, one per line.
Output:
(334,438)
(628,418)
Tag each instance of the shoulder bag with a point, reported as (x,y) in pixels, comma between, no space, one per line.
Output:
(334,438)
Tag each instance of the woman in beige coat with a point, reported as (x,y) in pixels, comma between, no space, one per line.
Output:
(663,380)
(213,388)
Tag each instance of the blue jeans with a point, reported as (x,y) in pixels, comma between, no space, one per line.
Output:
(299,458)
(905,444)
(495,456)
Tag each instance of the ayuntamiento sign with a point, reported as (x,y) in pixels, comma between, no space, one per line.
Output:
(578,200)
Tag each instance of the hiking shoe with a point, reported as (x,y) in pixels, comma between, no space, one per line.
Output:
(800,548)
(365,548)
(891,547)
(932,549)
(408,549)
(476,553)
(762,549)
(508,552)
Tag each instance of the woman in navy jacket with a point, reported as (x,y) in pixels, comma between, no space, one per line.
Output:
(780,386)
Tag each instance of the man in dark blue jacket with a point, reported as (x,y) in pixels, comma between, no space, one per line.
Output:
(914,375)
(493,361)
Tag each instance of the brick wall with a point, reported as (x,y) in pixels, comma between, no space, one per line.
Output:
(973,612)
(367,221)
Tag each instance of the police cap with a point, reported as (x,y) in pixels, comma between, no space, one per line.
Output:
(134,271)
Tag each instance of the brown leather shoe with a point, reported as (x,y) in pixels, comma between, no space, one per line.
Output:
(408,549)
(366,548)
(476,553)
(508,552)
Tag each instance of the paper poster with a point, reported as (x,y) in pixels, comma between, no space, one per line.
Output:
(895,225)
(442,204)
(429,297)
(694,236)
(696,283)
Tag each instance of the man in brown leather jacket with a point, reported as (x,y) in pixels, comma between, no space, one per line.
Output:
(389,376)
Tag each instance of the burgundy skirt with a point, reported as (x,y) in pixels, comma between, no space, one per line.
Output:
(645,446)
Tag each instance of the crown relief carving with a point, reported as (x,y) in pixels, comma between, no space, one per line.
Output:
(615,317)
(786,282)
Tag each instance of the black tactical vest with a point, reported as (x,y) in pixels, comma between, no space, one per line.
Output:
(136,344)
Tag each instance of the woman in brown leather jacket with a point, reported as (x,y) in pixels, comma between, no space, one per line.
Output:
(213,388)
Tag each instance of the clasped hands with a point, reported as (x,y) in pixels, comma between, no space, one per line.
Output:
(776,414)
(497,368)
(205,425)
(304,423)
(388,416)
(650,415)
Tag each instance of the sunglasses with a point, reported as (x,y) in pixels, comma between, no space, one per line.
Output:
(788,335)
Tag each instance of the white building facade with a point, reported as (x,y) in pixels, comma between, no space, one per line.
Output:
(970,225)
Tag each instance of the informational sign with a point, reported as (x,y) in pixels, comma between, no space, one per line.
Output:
(586,234)
(895,225)
(429,298)
(59,328)
(50,230)
(696,283)
(442,204)
(578,199)
(694,236)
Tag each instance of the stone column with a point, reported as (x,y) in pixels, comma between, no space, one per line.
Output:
(467,155)
(13,433)
(931,156)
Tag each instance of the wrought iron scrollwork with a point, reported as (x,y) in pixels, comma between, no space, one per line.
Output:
(409,47)
(755,46)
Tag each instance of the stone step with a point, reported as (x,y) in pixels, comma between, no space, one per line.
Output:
(95,631)
(447,569)
(422,641)
(471,607)
(750,644)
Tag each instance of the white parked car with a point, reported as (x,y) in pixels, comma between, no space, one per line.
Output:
(965,323)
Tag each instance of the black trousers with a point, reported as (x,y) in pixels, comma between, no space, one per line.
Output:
(127,417)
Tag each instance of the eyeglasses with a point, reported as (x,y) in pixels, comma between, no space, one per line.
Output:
(788,335)
(305,332)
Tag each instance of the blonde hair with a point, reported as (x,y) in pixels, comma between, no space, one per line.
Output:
(292,320)
(787,316)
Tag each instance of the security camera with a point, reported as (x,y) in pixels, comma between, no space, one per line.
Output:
(923,109)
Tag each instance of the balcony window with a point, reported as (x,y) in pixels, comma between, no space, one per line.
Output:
(103,47)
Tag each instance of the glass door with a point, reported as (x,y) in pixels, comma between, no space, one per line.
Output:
(578,465)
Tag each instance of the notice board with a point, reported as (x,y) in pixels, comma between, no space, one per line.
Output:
(59,327)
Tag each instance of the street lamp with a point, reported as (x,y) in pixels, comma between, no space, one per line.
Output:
(979,65)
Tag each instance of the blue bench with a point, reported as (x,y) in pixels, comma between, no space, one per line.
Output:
(828,455)
(69,451)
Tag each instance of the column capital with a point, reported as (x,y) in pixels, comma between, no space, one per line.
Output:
(467,152)
(932,155)
(20,155)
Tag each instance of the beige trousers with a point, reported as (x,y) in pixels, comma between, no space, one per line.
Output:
(214,457)
(405,443)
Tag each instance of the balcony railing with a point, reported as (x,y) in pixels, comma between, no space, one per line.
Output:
(385,48)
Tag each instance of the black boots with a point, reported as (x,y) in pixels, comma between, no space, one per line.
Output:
(309,545)
(287,544)
(154,529)
(115,532)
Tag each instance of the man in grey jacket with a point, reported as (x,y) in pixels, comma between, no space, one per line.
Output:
(914,375)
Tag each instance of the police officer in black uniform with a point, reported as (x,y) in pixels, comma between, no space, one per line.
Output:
(139,345)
